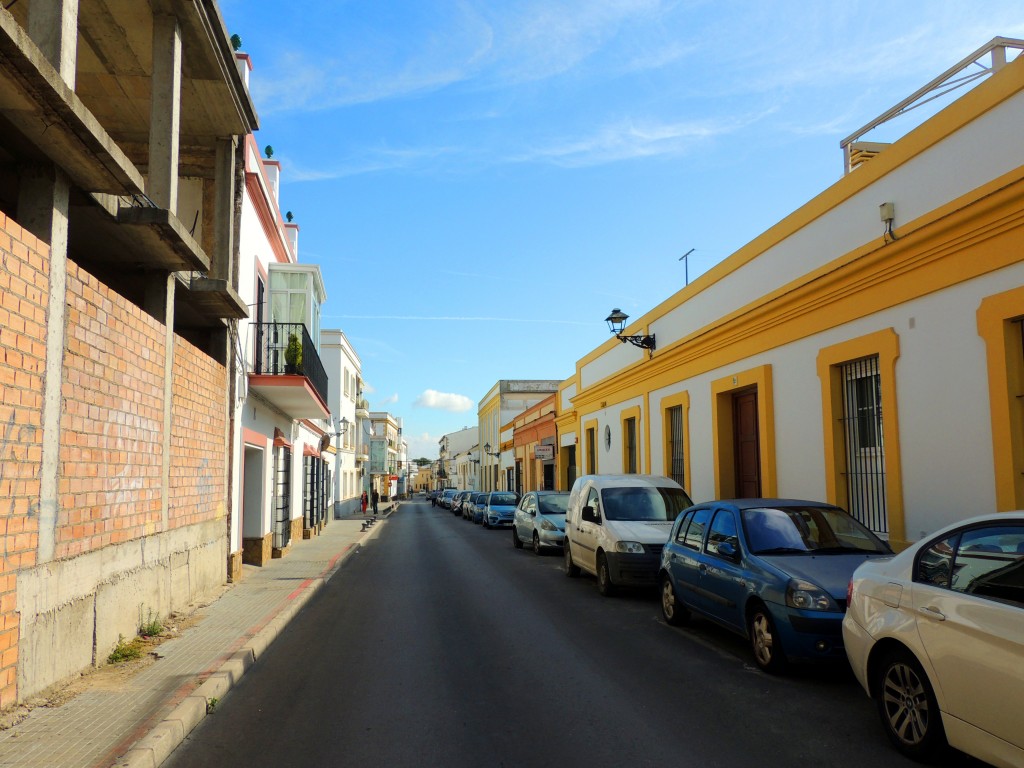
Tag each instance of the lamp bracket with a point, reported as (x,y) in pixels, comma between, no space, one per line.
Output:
(644,342)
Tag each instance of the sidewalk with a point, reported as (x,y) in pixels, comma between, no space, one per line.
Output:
(138,722)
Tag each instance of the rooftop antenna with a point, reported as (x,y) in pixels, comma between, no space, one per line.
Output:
(687,264)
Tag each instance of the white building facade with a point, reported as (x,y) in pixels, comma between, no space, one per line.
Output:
(866,350)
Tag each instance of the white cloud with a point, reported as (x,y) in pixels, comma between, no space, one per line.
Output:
(492,45)
(370,160)
(443,401)
(627,139)
(390,400)
(463,319)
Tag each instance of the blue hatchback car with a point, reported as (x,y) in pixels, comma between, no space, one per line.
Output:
(499,509)
(773,570)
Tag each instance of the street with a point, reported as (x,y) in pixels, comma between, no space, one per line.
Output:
(439,643)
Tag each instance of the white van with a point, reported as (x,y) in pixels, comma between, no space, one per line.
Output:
(617,525)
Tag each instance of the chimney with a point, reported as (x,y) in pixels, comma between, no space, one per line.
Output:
(244,64)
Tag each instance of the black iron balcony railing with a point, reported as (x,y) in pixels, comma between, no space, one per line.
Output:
(286,348)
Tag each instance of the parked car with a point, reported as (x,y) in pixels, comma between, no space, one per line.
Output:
(472,507)
(773,570)
(616,526)
(478,511)
(457,501)
(540,520)
(936,637)
(499,508)
(445,499)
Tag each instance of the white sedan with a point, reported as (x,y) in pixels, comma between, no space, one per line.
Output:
(935,635)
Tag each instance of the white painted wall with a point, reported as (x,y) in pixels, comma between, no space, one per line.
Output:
(976,154)
(942,402)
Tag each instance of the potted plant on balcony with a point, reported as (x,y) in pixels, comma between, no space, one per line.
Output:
(293,354)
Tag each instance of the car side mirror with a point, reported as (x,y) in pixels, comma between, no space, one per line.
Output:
(729,551)
(588,515)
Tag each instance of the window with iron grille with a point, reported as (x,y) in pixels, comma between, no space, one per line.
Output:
(864,446)
(308,492)
(675,445)
(630,429)
(282,495)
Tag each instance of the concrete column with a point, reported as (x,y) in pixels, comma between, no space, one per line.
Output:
(159,303)
(222,259)
(165,113)
(53,26)
(43,210)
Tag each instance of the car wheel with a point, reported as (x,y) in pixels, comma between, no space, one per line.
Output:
(516,541)
(536,543)
(571,569)
(765,642)
(604,577)
(907,706)
(672,608)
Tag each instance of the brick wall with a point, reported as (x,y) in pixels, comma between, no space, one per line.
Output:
(198,450)
(111,447)
(24,288)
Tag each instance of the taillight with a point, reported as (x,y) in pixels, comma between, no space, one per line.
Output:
(849,593)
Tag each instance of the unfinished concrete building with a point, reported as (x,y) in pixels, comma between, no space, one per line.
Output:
(120,123)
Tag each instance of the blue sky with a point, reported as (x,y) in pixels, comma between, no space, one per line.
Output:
(482,181)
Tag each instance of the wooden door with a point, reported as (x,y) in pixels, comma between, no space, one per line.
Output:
(747,444)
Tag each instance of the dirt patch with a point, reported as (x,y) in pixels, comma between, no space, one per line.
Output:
(111,677)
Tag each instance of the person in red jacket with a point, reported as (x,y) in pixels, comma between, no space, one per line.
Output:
(364,502)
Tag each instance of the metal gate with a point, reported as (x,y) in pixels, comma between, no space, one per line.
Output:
(282,495)
(677,465)
(865,451)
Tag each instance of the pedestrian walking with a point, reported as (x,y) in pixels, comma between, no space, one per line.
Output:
(363,501)
(376,498)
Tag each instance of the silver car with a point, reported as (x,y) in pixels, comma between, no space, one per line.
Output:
(936,636)
(540,520)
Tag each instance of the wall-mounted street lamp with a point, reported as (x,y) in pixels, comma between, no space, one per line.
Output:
(617,324)
(487,450)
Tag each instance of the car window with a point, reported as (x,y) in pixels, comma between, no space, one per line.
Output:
(990,563)
(797,529)
(935,563)
(593,500)
(553,505)
(681,532)
(722,531)
(695,530)
(505,499)
(639,503)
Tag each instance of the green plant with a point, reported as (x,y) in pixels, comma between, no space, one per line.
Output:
(125,650)
(151,627)
(293,352)
(211,704)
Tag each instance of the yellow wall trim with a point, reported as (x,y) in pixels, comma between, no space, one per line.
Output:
(965,243)
(721,430)
(886,345)
(681,399)
(969,107)
(998,327)
(631,413)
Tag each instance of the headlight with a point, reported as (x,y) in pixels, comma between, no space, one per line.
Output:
(808,597)
(632,547)
(547,525)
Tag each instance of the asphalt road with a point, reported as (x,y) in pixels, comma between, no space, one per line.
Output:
(440,644)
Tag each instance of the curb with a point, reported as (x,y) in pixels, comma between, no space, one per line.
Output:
(155,747)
